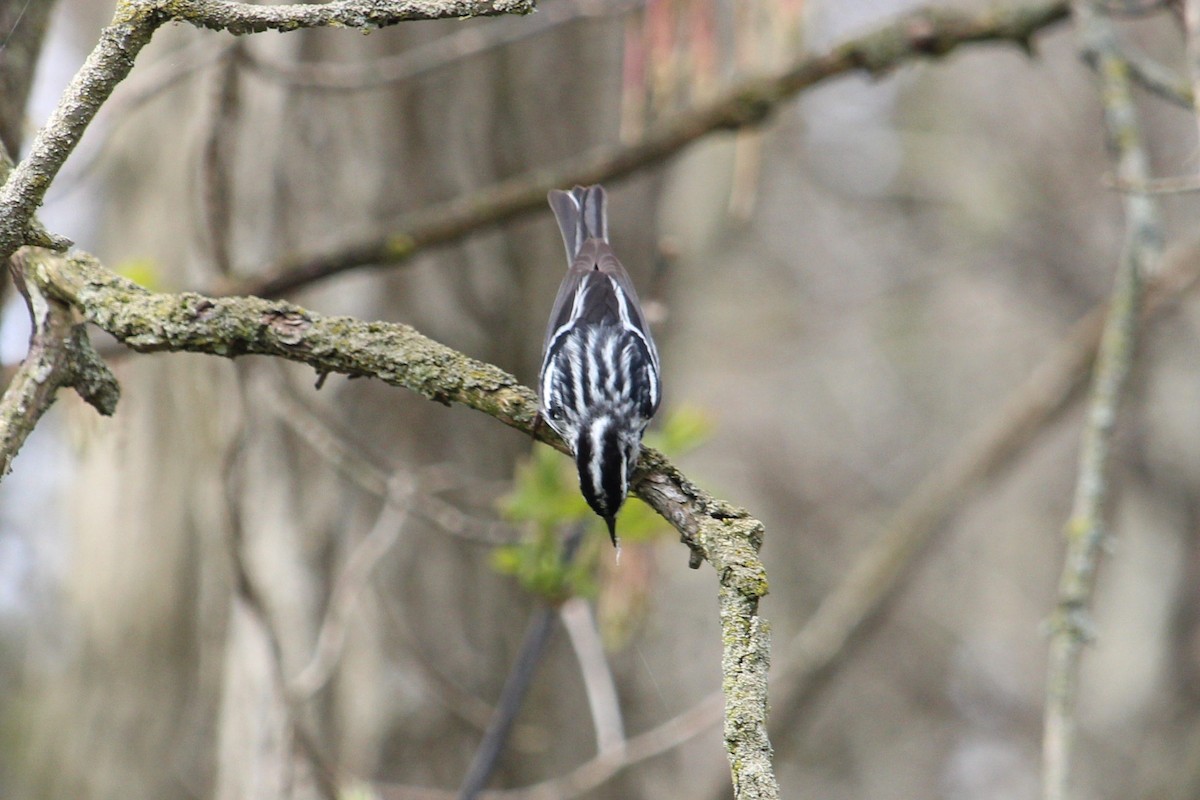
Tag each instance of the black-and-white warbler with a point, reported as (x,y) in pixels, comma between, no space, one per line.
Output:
(599,384)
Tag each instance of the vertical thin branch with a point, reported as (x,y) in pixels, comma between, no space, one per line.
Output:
(1085,530)
(1191,23)
(580,624)
(348,585)
(537,635)
(217,157)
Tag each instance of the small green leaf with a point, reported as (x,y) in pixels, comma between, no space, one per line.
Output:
(143,271)
(546,498)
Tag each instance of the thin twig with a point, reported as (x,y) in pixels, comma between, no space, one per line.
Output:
(365,468)
(250,601)
(1085,530)
(216,158)
(348,585)
(920,34)
(424,58)
(597,771)
(23,26)
(1191,27)
(601,690)
(1157,78)
(150,82)
(1179,184)
(520,677)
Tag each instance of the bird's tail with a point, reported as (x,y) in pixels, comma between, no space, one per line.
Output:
(582,214)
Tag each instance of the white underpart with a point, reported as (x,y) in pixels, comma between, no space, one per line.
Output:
(610,364)
(575,347)
(627,364)
(627,323)
(593,363)
(596,431)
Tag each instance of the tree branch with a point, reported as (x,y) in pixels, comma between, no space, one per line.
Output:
(135,22)
(59,355)
(1085,530)
(244,18)
(926,32)
(728,537)
(340,76)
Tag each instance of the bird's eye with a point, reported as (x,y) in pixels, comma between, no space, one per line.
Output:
(556,412)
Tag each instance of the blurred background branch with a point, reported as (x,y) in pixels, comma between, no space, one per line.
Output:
(133,25)
(924,33)
(1086,529)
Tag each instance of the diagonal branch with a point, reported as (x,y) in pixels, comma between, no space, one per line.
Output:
(929,32)
(1085,530)
(726,536)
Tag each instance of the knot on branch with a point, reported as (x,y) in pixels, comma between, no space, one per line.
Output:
(289,326)
(751,107)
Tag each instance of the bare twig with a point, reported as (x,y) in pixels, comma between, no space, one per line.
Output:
(349,584)
(520,677)
(150,82)
(601,691)
(596,772)
(1085,530)
(216,157)
(922,33)
(367,470)
(422,59)
(658,740)
(1157,78)
(1191,26)
(1131,8)
(1179,184)
(249,601)
(487,756)
(243,18)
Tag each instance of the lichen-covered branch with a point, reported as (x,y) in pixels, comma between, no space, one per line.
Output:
(243,18)
(342,76)
(59,355)
(924,33)
(133,25)
(726,536)
(1085,530)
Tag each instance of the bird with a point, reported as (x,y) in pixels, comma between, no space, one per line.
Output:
(599,384)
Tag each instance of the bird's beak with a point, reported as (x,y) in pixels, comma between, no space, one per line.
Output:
(612,529)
